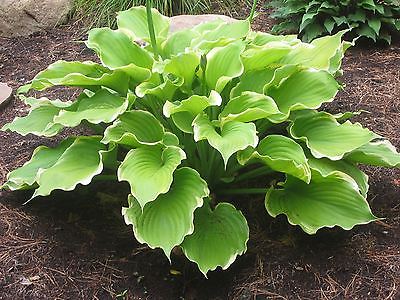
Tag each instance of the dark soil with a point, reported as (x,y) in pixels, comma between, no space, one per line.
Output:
(75,245)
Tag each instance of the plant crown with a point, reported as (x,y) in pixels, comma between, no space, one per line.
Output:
(372,19)
(197,118)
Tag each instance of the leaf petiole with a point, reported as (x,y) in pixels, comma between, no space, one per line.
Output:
(254,173)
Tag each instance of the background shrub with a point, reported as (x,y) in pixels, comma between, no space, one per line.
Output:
(372,19)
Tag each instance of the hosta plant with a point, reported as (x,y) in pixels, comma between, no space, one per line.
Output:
(372,19)
(199,117)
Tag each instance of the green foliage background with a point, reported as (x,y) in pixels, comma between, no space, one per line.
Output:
(372,19)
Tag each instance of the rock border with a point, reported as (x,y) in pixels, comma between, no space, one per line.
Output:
(5,95)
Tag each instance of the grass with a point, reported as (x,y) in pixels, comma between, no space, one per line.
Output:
(98,13)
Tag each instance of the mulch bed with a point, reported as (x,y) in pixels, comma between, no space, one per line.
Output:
(76,246)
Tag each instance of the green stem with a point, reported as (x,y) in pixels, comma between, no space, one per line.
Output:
(254,191)
(152,105)
(253,10)
(211,166)
(236,167)
(203,157)
(254,173)
(150,24)
(193,152)
(214,112)
(204,89)
(149,4)
(203,66)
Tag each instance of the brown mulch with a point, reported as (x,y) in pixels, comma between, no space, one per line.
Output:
(76,246)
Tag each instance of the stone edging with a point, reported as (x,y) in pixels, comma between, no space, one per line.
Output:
(5,95)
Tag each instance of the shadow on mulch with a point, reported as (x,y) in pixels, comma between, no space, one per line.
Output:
(76,246)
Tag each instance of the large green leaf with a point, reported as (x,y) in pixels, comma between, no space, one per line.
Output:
(134,128)
(326,167)
(36,102)
(336,61)
(178,42)
(149,171)
(219,237)
(205,27)
(366,31)
(223,64)
(233,30)
(376,153)
(170,139)
(312,31)
(260,57)
(281,74)
(218,34)
(42,158)
(166,221)
(261,38)
(260,81)
(183,112)
(184,65)
(341,117)
(103,106)
(248,107)
(82,74)
(194,104)
(325,202)
(118,52)
(375,24)
(233,136)
(329,25)
(183,120)
(69,171)
(39,121)
(307,20)
(323,53)
(281,154)
(134,23)
(164,91)
(306,89)
(253,81)
(325,137)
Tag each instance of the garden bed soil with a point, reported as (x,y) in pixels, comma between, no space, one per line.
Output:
(75,245)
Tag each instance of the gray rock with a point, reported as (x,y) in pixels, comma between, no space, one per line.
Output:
(189,21)
(5,95)
(23,17)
